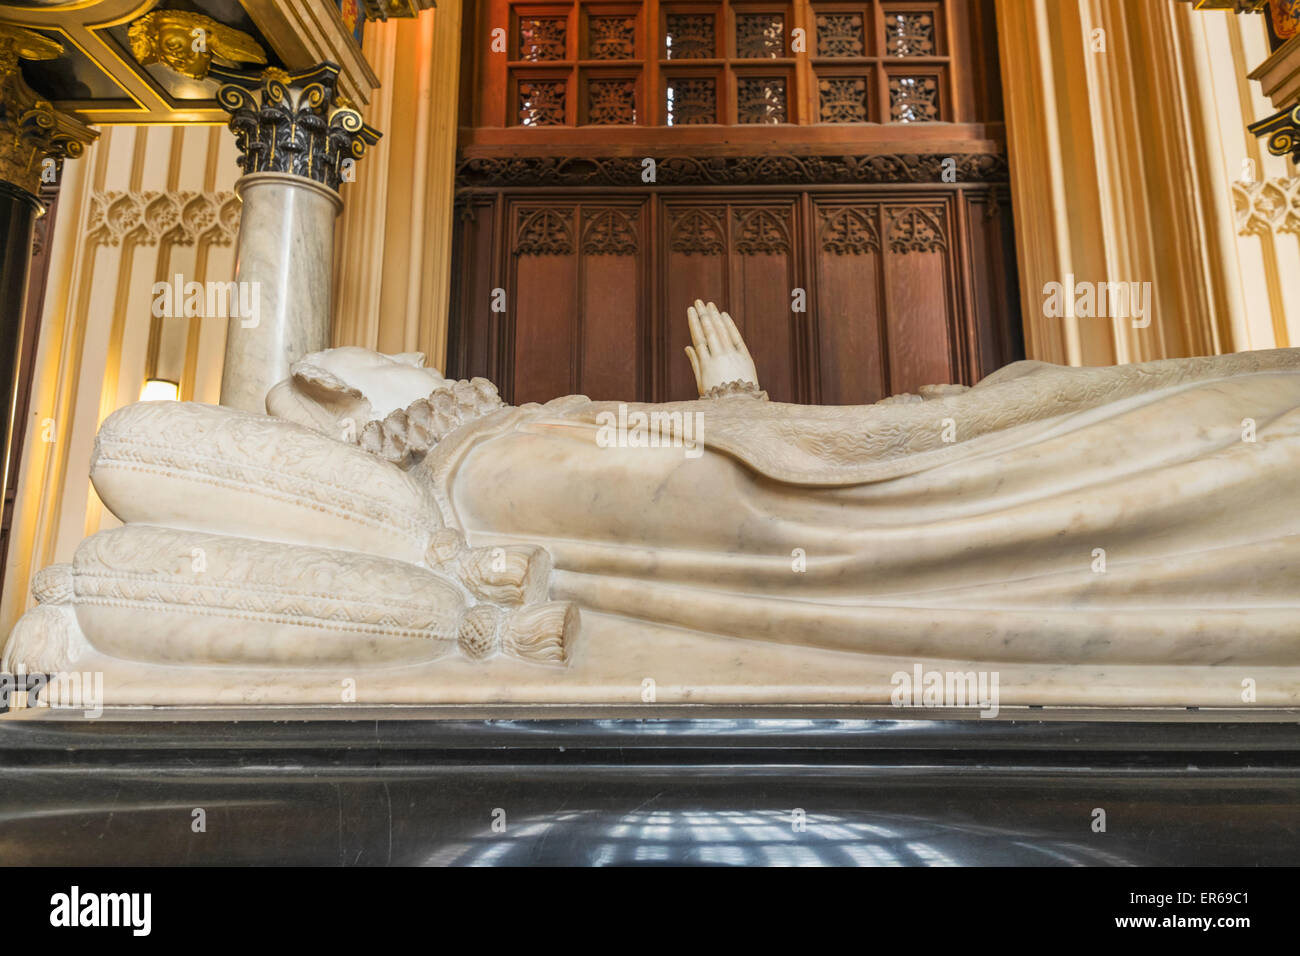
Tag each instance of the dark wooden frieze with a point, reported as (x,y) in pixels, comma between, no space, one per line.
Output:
(769,169)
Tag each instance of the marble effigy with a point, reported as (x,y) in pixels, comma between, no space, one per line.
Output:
(1091,536)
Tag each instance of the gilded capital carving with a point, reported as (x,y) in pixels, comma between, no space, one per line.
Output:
(1283,132)
(31,129)
(295,123)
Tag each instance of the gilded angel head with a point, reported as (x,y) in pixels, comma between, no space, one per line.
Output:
(187,42)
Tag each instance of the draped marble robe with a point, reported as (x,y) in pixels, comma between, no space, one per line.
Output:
(1130,515)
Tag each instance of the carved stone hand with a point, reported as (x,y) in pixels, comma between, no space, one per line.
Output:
(718,354)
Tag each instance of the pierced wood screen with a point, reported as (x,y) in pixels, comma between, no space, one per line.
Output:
(732,62)
(831,172)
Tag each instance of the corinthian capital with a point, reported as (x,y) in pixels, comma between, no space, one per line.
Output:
(31,129)
(294,123)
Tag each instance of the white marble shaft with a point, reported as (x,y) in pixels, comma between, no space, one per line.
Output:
(286,251)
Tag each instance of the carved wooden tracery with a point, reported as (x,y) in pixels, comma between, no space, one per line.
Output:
(692,62)
(610,232)
(916,229)
(544,232)
(762,231)
(696,231)
(849,230)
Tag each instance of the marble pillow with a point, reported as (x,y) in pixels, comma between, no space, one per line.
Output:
(213,599)
(210,468)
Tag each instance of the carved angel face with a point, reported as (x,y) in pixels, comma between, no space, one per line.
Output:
(187,42)
(176,48)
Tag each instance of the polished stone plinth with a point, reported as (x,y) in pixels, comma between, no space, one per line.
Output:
(685,785)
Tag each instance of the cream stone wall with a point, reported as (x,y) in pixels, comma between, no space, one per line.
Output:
(1126,127)
(393,255)
(143,204)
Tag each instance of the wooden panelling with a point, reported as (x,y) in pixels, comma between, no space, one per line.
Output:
(862,248)
(763,264)
(612,301)
(899,289)
(472,337)
(849,328)
(922,325)
(694,253)
(993,293)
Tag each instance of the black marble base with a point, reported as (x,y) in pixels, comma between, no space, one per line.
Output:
(772,786)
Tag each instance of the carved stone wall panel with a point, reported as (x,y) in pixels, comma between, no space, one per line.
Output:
(150,217)
(1266,206)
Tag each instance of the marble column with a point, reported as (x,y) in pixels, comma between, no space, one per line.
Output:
(286,246)
(35,138)
(298,142)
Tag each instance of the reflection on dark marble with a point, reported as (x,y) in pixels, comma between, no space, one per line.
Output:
(615,792)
